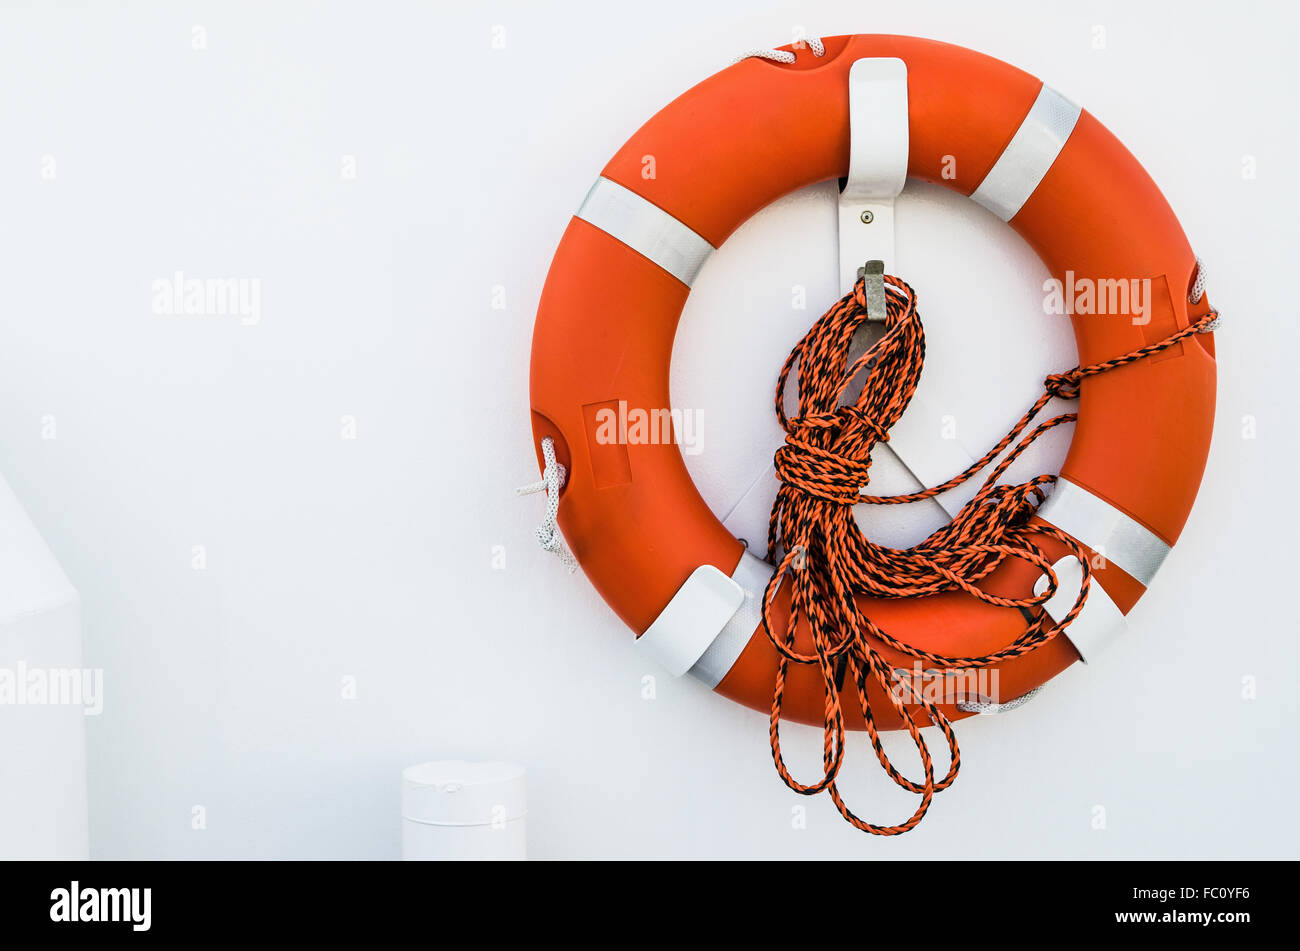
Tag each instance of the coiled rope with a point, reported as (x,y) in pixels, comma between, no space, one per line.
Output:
(824,468)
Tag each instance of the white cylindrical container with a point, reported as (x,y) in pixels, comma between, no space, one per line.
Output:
(455,809)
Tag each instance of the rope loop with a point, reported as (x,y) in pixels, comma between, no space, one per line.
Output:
(552,480)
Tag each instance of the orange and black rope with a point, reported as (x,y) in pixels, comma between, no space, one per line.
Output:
(814,541)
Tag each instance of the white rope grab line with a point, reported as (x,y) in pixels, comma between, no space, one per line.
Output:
(814,43)
(989,707)
(1198,291)
(552,480)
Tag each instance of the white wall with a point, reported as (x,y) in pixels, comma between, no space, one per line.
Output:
(371,558)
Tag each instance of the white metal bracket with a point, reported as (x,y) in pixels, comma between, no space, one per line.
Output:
(878,155)
(878,134)
(878,152)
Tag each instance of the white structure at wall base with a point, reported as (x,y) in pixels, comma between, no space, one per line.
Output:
(458,810)
(44,696)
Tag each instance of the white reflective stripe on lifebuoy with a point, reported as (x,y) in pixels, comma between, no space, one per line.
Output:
(1100,621)
(752,575)
(645,228)
(1029,155)
(1105,529)
(710,619)
(690,622)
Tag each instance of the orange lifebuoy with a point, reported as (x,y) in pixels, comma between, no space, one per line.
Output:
(630,512)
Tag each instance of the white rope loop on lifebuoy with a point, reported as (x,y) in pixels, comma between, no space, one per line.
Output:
(814,43)
(1198,291)
(552,480)
(991,707)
